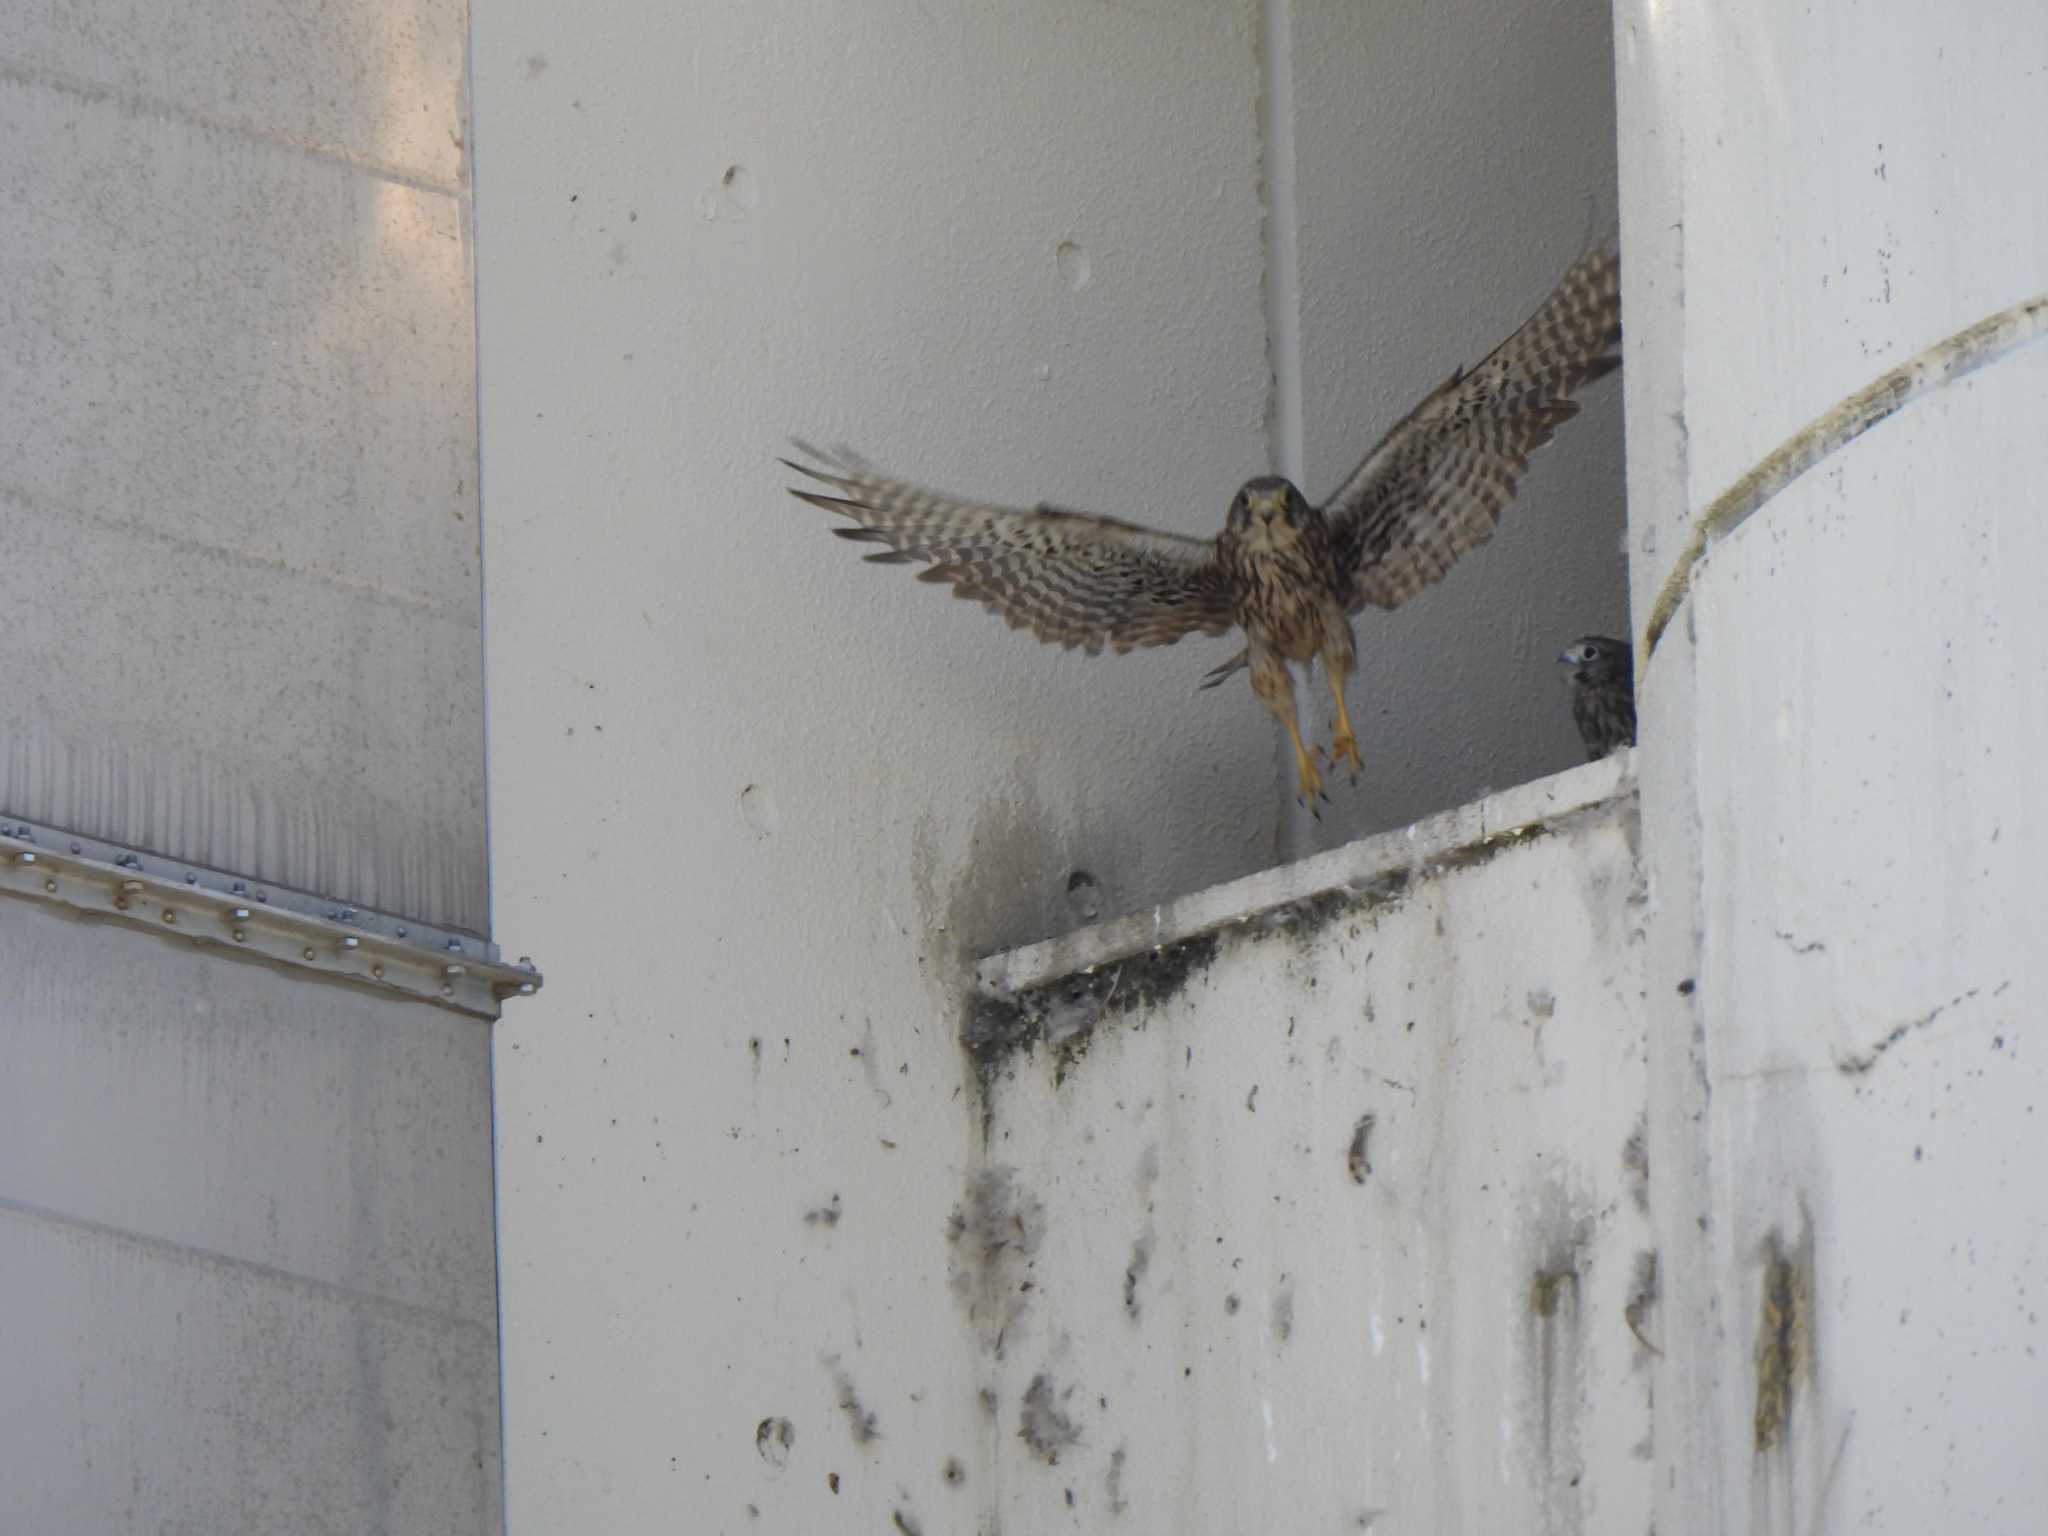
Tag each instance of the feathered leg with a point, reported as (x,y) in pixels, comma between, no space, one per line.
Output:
(1340,660)
(1275,690)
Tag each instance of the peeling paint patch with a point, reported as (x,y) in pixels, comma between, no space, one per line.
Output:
(1044,1424)
(860,1423)
(994,1233)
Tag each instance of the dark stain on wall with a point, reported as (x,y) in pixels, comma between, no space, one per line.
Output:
(1064,1016)
(774,1439)
(993,1235)
(1134,1272)
(1357,1156)
(1644,1289)
(1784,1336)
(860,1423)
(1043,1423)
(1553,1352)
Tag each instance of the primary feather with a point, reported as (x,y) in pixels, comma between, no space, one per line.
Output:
(1435,486)
(1071,578)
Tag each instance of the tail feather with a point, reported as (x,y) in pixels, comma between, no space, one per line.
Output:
(1236,663)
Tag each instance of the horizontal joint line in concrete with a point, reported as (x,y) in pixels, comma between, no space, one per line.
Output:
(207,1258)
(149,106)
(460,612)
(1523,808)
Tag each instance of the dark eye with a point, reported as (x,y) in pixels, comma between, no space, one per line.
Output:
(1590,652)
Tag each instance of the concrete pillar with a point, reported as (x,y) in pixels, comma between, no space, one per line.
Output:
(246,1246)
(1840,739)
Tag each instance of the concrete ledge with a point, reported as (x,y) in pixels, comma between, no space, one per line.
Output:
(1511,813)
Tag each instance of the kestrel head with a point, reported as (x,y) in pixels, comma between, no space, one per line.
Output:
(1268,510)
(1596,658)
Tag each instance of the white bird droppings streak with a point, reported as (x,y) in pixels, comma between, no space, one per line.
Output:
(1422,1357)
(1379,1335)
(1272,1445)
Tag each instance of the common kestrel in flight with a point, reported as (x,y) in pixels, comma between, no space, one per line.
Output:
(1288,574)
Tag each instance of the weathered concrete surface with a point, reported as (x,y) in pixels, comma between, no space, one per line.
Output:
(727,1159)
(1337,1215)
(1841,738)
(240,484)
(1013,249)
(246,1242)
(246,1245)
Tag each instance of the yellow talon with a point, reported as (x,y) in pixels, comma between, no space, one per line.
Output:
(1305,771)
(1345,750)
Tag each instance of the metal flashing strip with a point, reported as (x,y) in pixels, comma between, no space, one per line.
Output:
(1356,866)
(291,928)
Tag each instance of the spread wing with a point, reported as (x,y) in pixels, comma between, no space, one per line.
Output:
(1071,578)
(1436,485)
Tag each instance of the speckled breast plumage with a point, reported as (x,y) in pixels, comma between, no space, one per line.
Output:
(1284,589)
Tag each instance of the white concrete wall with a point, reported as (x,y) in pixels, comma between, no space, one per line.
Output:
(239,481)
(766,802)
(245,1220)
(1254,1307)
(1841,740)
(246,1246)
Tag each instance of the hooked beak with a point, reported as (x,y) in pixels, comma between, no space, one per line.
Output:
(1568,657)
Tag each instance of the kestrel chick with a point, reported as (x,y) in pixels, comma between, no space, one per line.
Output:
(1603,693)
(1287,573)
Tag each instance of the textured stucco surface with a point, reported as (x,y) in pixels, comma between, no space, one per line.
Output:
(241,485)
(767,803)
(246,1235)
(246,1241)
(1841,738)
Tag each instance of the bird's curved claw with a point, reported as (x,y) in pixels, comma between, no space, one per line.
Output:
(1344,752)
